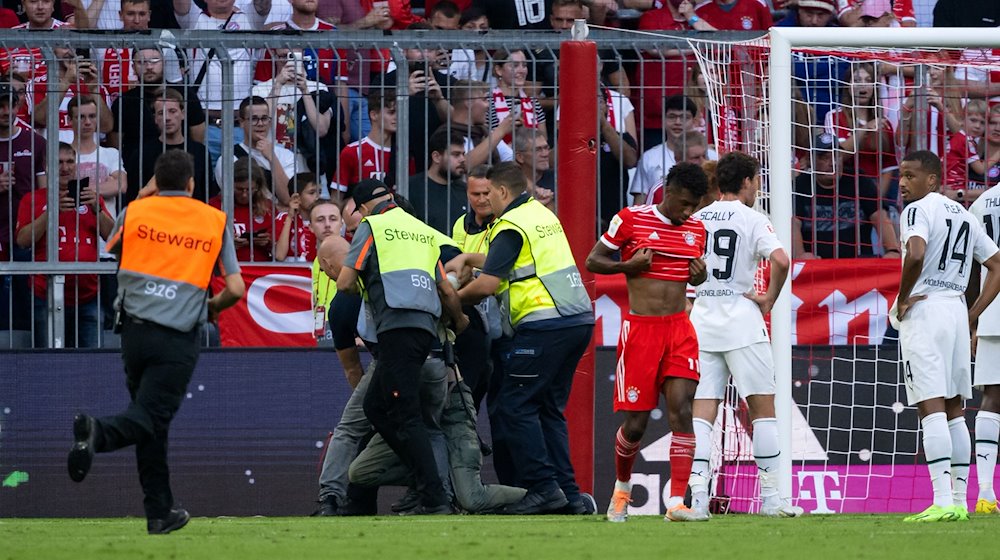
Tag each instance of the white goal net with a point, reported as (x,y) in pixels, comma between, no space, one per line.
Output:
(854,112)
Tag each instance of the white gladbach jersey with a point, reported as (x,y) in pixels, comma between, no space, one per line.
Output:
(986,209)
(738,238)
(953,239)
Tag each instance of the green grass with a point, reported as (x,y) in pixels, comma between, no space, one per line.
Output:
(495,538)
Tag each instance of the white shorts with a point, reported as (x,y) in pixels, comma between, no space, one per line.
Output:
(935,346)
(752,368)
(987,362)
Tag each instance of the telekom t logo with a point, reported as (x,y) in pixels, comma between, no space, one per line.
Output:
(820,492)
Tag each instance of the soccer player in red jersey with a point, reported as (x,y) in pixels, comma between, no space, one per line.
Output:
(661,248)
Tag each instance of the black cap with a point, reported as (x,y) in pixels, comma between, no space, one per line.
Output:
(367,190)
(6,92)
(825,142)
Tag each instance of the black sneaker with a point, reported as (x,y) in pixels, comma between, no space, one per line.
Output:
(584,505)
(176,519)
(327,507)
(81,456)
(409,501)
(535,503)
(443,509)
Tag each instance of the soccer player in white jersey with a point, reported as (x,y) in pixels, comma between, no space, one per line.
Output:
(738,238)
(940,240)
(986,342)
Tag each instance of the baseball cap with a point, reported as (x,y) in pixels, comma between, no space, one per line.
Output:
(5,92)
(825,142)
(367,190)
(827,5)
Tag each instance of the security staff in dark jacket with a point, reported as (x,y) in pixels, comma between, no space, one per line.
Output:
(548,313)
(396,260)
(168,246)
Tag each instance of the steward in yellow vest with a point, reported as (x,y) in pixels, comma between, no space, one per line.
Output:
(396,259)
(549,315)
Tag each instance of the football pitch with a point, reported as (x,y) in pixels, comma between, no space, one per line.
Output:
(494,538)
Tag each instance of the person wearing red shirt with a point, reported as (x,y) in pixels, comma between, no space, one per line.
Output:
(320,64)
(78,76)
(253,211)
(663,72)
(661,251)
(82,217)
(296,240)
(962,162)
(29,60)
(862,130)
(736,15)
(371,157)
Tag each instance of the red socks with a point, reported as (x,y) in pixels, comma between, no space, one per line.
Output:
(625,451)
(681,457)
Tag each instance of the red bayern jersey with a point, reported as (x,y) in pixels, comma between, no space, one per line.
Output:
(673,246)
(363,159)
(23,59)
(301,239)
(78,242)
(962,151)
(746,15)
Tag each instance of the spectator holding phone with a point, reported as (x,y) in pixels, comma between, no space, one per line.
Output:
(253,212)
(82,219)
(77,76)
(103,166)
(289,85)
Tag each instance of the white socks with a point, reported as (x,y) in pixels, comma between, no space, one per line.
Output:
(961,449)
(702,455)
(766,453)
(987,434)
(937,450)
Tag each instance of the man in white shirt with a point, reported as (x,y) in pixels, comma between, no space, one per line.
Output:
(738,238)
(680,115)
(986,342)
(279,163)
(224,15)
(940,240)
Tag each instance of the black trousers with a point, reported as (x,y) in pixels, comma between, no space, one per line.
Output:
(472,349)
(393,406)
(158,366)
(538,369)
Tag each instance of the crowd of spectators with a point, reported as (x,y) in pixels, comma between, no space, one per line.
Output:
(310,123)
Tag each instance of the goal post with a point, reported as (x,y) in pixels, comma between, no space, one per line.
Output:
(783,40)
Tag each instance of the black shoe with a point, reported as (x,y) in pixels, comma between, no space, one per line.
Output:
(81,456)
(351,508)
(176,519)
(534,503)
(443,509)
(584,505)
(409,501)
(327,507)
